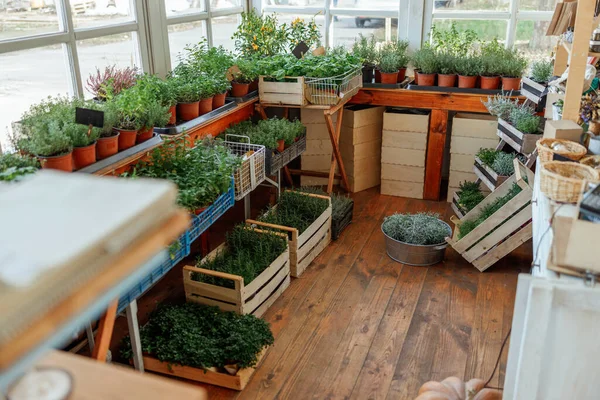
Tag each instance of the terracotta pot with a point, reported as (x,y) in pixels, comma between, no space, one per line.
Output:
(145,134)
(490,82)
(200,210)
(447,80)
(467,82)
(377,76)
(401,75)
(239,89)
(188,111)
(389,77)
(426,79)
(205,106)
(173,111)
(253,86)
(127,138)
(107,146)
(84,156)
(61,163)
(218,100)
(416,72)
(280,145)
(511,83)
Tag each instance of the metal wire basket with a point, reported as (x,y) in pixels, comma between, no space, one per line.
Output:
(252,171)
(330,91)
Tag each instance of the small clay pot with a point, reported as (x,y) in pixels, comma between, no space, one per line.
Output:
(200,210)
(84,156)
(416,72)
(509,83)
(188,111)
(63,162)
(239,89)
(145,134)
(280,145)
(253,86)
(401,75)
(490,82)
(107,146)
(389,77)
(467,82)
(173,111)
(219,100)
(127,138)
(205,106)
(377,76)
(446,80)
(426,79)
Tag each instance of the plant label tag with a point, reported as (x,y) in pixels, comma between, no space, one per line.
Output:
(300,50)
(85,116)
(319,51)
(231,72)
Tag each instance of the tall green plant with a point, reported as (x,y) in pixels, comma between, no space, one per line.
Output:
(453,41)
(364,48)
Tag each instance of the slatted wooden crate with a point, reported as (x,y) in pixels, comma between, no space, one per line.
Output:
(291,92)
(523,143)
(254,298)
(488,176)
(237,381)
(503,231)
(536,92)
(305,247)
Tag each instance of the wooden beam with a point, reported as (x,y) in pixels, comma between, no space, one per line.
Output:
(105,330)
(435,154)
(317,174)
(333,134)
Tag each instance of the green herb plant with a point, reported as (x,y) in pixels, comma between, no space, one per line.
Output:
(541,71)
(13,167)
(469,195)
(389,63)
(295,210)
(523,118)
(364,48)
(446,63)
(260,35)
(419,228)
(425,59)
(339,202)
(453,41)
(501,105)
(469,65)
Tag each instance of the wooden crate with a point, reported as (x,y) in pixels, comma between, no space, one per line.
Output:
(455,207)
(364,179)
(456,177)
(465,145)
(405,120)
(523,143)
(394,155)
(536,92)
(503,231)
(404,173)
(210,376)
(488,176)
(305,247)
(570,244)
(402,189)
(404,139)
(254,298)
(470,125)
(461,162)
(284,93)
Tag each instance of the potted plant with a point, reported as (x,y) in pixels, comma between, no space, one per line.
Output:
(188,99)
(153,114)
(388,67)
(513,66)
(127,108)
(13,166)
(535,86)
(468,68)
(524,119)
(428,67)
(416,239)
(491,54)
(163,91)
(446,69)
(207,91)
(221,85)
(468,196)
(111,81)
(364,49)
(243,77)
(493,167)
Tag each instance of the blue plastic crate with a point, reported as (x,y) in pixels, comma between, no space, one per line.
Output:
(200,223)
(176,253)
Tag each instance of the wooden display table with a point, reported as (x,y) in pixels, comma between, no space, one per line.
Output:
(93,380)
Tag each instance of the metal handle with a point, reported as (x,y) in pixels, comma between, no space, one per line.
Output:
(442,247)
(240,136)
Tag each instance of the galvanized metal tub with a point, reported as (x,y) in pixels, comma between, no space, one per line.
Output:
(415,254)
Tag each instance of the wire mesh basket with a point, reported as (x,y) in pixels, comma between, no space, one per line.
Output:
(330,91)
(252,171)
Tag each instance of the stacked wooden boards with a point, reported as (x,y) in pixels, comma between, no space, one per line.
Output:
(317,156)
(470,132)
(403,151)
(360,145)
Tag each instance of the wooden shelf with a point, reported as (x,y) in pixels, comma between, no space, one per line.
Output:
(568,47)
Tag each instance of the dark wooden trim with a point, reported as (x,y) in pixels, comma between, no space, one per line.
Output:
(438,124)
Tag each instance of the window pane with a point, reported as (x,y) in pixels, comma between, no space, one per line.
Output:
(24,81)
(387,5)
(537,5)
(180,7)
(462,5)
(346,29)
(221,4)
(93,13)
(485,29)
(20,18)
(222,30)
(531,38)
(181,35)
(120,50)
(295,3)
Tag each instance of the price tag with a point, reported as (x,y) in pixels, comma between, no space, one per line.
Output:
(86,116)
(300,50)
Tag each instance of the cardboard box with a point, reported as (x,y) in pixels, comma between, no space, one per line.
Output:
(367,133)
(365,179)
(402,189)
(474,125)
(316,162)
(318,146)
(563,129)
(457,177)
(361,164)
(404,120)
(462,162)
(363,150)
(311,116)
(317,132)
(395,172)
(357,116)
(393,155)
(471,145)
(404,139)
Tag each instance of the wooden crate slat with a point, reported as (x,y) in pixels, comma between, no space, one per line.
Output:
(504,248)
(499,234)
(305,248)
(315,251)
(519,141)
(487,175)
(271,292)
(223,306)
(313,228)
(279,87)
(201,289)
(271,270)
(455,208)
(292,93)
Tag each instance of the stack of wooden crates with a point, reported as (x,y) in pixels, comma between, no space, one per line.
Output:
(470,132)
(317,156)
(404,146)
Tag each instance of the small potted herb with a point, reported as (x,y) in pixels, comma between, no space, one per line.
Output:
(524,119)
(154,114)
(468,196)
(388,67)
(243,77)
(161,90)
(513,66)
(188,99)
(221,86)
(126,107)
(401,49)
(468,68)
(416,239)
(111,81)
(207,91)
(428,66)
(492,55)
(364,49)
(535,86)
(446,69)
(494,166)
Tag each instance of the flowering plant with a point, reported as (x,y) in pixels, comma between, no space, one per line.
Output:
(111,81)
(259,34)
(302,31)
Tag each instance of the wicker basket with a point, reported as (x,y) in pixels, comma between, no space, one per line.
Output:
(564,181)
(574,150)
(591,161)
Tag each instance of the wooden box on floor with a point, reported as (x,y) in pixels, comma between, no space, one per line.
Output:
(360,145)
(254,298)
(317,156)
(403,150)
(305,247)
(210,376)
(504,230)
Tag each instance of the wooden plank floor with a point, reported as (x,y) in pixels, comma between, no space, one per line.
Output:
(357,325)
